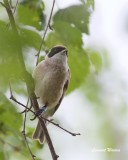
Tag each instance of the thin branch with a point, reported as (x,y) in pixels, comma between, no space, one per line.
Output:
(55,156)
(25,116)
(45,32)
(3,5)
(15,7)
(14,99)
(42,123)
(73,134)
(24,133)
(26,108)
(10,15)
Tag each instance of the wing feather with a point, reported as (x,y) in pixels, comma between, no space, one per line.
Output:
(64,90)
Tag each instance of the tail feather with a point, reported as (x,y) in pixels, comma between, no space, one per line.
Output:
(38,133)
(42,138)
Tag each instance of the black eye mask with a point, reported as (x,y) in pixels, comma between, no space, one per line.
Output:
(56,50)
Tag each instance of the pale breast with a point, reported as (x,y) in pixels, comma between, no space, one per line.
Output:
(49,84)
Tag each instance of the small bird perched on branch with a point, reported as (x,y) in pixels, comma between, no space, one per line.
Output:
(51,78)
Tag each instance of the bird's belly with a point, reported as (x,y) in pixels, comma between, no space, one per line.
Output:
(51,94)
(50,89)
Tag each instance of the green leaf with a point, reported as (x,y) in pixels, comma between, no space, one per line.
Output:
(3,25)
(64,33)
(41,58)
(30,13)
(10,120)
(91,90)
(9,50)
(2,155)
(18,86)
(10,125)
(90,3)
(96,60)
(79,66)
(77,16)
(30,38)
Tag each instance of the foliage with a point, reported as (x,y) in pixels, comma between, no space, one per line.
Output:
(30,13)
(77,16)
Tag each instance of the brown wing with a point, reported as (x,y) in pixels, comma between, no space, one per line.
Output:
(64,90)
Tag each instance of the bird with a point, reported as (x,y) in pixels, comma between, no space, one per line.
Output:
(51,77)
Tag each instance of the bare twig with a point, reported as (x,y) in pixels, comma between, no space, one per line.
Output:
(14,99)
(48,26)
(15,7)
(42,122)
(10,15)
(55,156)
(73,134)
(3,5)
(8,25)
(29,109)
(24,133)
(41,119)
(26,110)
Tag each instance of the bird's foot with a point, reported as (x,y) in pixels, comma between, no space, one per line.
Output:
(39,112)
